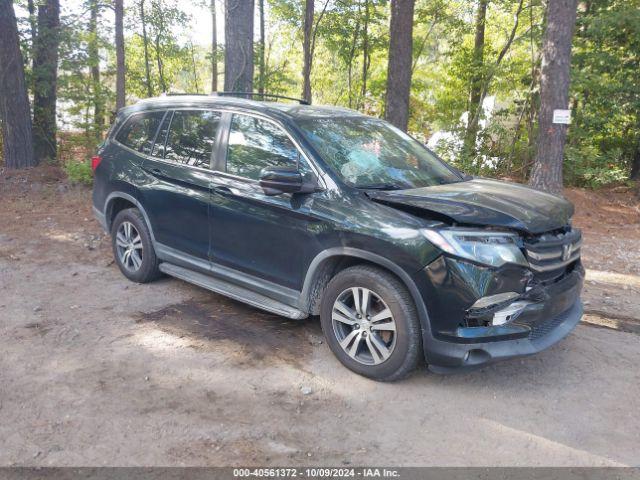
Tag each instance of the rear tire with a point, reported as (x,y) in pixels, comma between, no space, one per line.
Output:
(132,247)
(371,324)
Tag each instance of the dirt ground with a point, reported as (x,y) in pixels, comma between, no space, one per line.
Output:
(95,370)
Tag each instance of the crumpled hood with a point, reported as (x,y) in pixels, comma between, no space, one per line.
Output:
(485,202)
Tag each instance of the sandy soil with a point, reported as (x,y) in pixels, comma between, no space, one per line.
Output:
(95,370)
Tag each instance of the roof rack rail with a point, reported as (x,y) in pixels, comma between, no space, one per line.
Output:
(170,94)
(250,95)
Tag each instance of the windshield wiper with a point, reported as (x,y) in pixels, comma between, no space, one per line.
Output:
(381,186)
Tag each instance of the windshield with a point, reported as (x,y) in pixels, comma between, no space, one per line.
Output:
(370,153)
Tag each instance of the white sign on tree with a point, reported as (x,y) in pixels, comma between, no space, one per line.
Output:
(562,116)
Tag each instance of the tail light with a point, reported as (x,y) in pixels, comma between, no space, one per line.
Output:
(95,161)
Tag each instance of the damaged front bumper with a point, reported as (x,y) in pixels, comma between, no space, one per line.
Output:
(479,317)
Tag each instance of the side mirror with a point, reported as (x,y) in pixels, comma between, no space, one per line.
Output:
(277,180)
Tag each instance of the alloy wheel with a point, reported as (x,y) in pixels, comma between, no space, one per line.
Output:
(364,326)
(129,246)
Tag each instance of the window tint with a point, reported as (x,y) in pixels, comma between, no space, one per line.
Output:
(192,136)
(139,131)
(255,144)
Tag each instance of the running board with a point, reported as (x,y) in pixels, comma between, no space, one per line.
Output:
(232,290)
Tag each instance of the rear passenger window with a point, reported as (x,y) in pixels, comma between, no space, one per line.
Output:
(191,137)
(139,131)
(254,144)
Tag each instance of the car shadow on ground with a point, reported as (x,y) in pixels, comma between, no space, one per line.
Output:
(260,337)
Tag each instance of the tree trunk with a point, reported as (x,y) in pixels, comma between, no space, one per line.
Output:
(17,142)
(159,32)
(94,62)
(352,54)
(145,42)
(261,66)
(120,66)
(309,44)
(366,57)
(214,48)
(399,67)
(238,54)
(306,50)
(554,94)
(45,61)
(194,68)
(635,163)
(34,33)
(163,83)
(32,21)
(475,92)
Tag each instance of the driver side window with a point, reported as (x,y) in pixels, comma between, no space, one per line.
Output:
(255,143)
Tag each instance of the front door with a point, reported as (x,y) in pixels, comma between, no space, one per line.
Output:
(270,237)
(178,198)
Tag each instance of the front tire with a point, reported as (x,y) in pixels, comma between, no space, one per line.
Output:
(370,322)
(132,247)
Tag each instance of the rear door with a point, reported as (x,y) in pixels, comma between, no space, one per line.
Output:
(177,199)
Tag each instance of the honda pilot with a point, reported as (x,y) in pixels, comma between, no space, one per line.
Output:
(306,210)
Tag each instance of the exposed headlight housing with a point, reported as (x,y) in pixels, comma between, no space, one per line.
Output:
(488,248)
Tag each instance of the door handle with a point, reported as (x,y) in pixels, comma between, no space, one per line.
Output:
(155,171)
(224,189)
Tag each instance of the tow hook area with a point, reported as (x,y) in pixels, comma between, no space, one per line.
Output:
(501,308)
(509,313)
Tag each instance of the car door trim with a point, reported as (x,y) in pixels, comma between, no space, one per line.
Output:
(273,290)
(294,298)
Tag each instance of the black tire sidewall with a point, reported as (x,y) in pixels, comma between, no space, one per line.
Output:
(403,358)
(149,268)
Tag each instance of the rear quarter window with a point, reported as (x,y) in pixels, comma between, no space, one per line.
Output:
(139,131)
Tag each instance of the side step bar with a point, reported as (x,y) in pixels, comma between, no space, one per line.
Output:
(233,291)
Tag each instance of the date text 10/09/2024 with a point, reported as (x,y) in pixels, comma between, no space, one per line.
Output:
(315,473)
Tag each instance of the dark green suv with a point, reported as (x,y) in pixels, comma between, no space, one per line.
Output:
(303,210)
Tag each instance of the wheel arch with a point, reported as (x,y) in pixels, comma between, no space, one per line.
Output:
(117,201)
(330,261)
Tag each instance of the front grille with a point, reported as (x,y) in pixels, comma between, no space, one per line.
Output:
(550,253)
(545,327)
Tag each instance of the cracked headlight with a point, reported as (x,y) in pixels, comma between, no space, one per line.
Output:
(489,248)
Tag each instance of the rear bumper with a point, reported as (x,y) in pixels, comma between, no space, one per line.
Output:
(541,324)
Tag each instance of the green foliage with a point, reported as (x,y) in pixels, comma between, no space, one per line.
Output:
(77,91)
(79,172)
(605,86)
(350,70)
(586,166)
(171,61)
